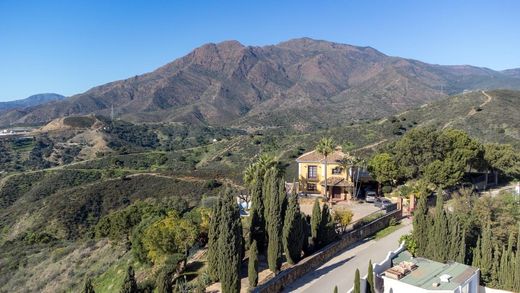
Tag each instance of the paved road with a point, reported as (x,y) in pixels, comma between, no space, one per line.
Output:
(340,270)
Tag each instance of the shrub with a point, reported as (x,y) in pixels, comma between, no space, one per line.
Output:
(387,189)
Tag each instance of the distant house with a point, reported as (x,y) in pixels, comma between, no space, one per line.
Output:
(409,274)
(340,176)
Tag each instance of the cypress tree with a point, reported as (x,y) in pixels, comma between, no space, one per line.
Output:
(315,223)
(326,232)
(275,223)
(213,235)
(439,235)
(370,278)
(486,254)
(357,282)
(258,227)
(494,278)
(454,238)
(293,234)
(461,257)
(476,254)
(335,289)
(306,229)
(516,269)
(87,287)
(421,226)
(252,272)
(229,244)
(129,284)
(502,272)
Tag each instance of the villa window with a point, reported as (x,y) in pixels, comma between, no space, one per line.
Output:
(337,171)
(313,172)
(311,187)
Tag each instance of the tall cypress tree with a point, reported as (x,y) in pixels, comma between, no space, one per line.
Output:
(274,222)
(335,289)
(257,224)
(304,221)
(327,231)
(213,235)
(357,282)
(439,235)
(229,244)
(421,226)
(87,287)
(370,279)
(516,266)
(293,234)
(476,254)
(461,257)
(315,223)
(486,254)
(252,272)
(129,284)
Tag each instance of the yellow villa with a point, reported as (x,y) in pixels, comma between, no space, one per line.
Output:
(311,174)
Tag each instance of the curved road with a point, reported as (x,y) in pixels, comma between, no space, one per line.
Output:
(340,270)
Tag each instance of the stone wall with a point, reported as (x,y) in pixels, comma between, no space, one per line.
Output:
(291,274)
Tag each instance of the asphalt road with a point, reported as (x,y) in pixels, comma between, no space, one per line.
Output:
(340,270)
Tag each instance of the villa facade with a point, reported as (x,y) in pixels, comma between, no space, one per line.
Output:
(340,174)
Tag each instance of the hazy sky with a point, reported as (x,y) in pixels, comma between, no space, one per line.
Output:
(68,47)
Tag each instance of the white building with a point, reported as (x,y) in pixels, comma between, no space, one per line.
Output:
(421,275)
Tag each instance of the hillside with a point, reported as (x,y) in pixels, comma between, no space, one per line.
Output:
(301,84)
(33,100)
(54,195)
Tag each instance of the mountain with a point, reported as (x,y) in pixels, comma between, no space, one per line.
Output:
(301,83)
(33,100)
(512,72)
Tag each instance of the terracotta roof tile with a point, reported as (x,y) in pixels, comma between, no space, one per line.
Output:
(315,157)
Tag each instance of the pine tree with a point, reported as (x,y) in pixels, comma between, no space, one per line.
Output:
(252,272)
(213,235)
(129,284)
(370,278)
(357,282)
(421,226)
(293,234)
(229,244)
(88,288)
(275,223)
(315,223)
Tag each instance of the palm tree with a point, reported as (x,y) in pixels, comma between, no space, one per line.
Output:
(325,147)
(349,162)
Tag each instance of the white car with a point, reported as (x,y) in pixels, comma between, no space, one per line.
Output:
(370,196)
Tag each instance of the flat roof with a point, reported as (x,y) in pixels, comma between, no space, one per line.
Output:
(429,272)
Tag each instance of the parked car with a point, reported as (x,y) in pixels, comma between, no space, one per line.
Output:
(370,196)
(382,203)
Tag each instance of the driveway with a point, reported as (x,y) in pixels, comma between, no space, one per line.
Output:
(340,270)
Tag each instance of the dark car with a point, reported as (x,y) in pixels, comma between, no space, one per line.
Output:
(382,203)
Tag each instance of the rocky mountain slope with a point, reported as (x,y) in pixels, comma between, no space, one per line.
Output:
(33,100)
(301,83)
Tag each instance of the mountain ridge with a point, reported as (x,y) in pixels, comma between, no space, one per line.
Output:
(33,100)
(300,83)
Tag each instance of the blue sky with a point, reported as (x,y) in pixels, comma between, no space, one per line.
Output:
(70,46)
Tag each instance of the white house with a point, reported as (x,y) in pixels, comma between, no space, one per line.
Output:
(421,275)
